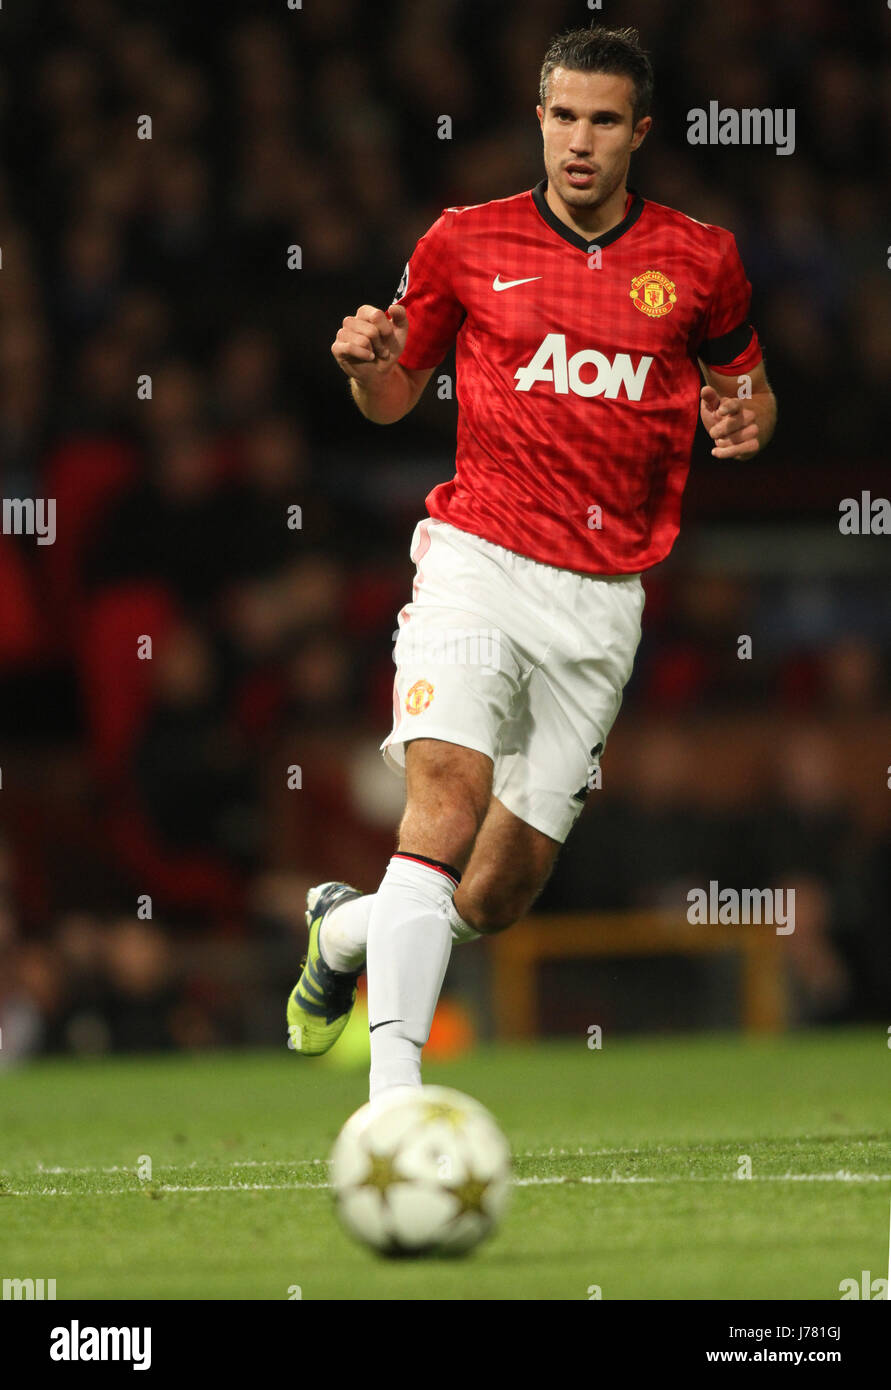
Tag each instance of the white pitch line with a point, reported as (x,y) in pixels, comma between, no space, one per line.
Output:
(618,1178)
(196,1163)
(615,1179)
(323,1162)
(171,1187)
(229,1187)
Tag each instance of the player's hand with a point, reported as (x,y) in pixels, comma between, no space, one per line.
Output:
(732,424)
(370,342)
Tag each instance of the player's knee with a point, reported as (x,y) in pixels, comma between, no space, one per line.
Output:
(442,823)
(448,793)
(446,833)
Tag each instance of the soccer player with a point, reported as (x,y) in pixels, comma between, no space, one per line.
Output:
(581,310)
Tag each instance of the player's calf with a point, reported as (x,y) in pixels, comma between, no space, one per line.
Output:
(509,866)
(495,907)
(409,933)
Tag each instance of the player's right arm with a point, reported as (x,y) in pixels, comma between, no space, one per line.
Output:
(367,349)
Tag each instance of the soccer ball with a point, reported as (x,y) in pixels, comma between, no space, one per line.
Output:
(421,1171)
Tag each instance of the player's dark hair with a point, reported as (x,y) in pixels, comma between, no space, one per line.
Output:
(596,49)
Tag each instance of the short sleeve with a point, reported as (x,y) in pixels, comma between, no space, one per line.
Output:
(729,342)
(425,291)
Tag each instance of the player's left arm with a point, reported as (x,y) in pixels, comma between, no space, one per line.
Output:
(740,427)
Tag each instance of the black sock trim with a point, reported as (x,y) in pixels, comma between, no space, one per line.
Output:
(434,863)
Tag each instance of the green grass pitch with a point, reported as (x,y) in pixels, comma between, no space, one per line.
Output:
(626,1163)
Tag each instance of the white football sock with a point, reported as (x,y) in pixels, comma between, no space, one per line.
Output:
(409,944)
(344,933)
(343,937)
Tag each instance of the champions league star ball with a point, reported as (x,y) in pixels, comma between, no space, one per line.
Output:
(421,1171)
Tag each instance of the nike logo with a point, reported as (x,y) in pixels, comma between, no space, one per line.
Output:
(372,1026)
(499,284)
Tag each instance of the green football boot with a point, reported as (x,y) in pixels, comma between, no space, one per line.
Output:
(322,1000)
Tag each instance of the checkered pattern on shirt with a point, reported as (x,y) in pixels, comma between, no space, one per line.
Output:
(532,465)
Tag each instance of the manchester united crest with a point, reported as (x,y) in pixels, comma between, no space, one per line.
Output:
(653,294)
(419,697)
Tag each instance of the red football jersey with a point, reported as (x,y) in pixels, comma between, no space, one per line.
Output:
(578,385)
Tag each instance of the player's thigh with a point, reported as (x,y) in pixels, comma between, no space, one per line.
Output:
(551,746)
(509,866)
(448,789)
(459,667)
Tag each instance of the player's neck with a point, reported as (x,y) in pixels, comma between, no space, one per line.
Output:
(589,222)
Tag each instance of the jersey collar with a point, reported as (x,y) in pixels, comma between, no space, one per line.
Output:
(582,243)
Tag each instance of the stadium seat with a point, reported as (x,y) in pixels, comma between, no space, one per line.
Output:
(116,683)
(22,629)
(117,687)
(84,476)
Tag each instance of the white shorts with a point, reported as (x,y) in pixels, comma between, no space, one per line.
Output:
(519,660)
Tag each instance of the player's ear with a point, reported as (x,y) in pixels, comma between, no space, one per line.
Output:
(539,111)
(641,130)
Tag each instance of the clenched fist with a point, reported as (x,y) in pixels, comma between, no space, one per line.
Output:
(370,342)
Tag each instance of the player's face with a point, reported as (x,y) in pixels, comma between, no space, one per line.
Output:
(589,135)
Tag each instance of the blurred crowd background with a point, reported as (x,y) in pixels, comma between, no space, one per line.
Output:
(127,780)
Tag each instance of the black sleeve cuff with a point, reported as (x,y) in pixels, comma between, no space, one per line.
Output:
(720,351)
